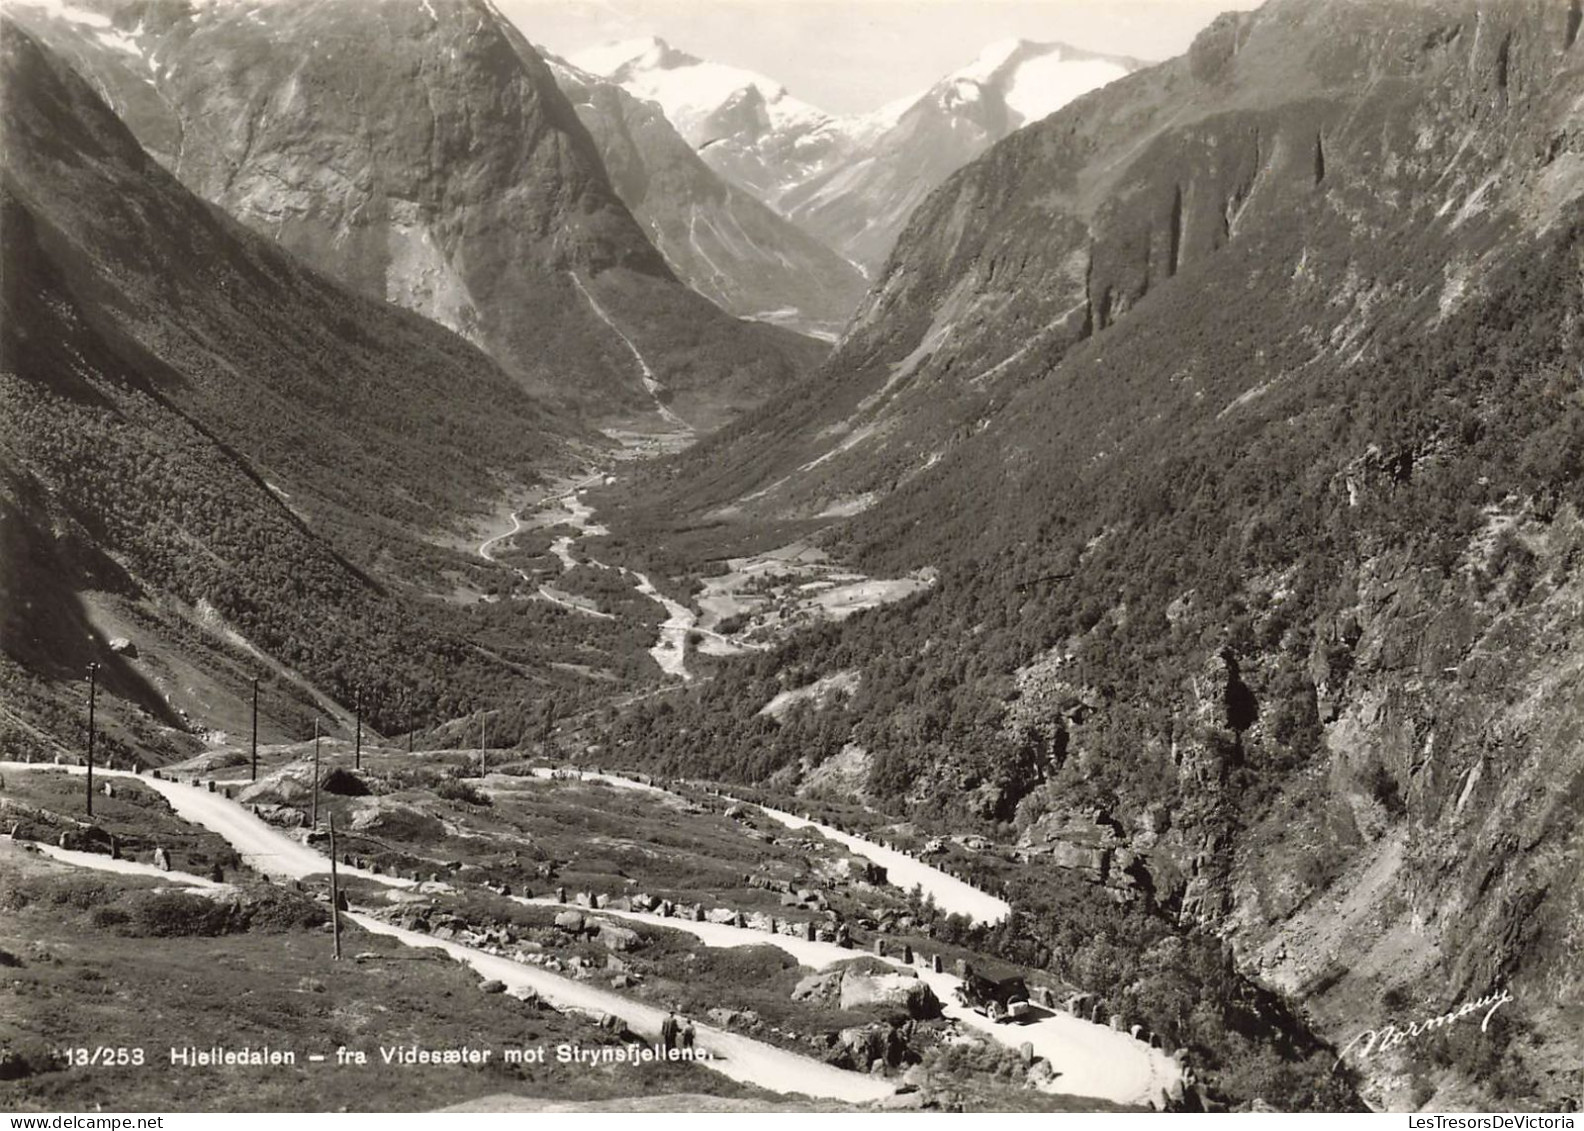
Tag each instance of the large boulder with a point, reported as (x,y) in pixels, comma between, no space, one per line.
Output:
(343,783)
(865,1046)
(618,938)
(905,991)
(570,921)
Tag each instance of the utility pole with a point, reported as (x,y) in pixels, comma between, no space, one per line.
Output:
(316,774)
(255,728)
(93,690)
(335,892)
(357,749)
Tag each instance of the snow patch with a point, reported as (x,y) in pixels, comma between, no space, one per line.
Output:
(690,90)
(1043,85)
(62,10)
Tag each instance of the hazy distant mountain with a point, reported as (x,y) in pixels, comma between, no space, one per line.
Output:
(1237,407)
(719,238)
(851,181)
(862,203)
(423,154)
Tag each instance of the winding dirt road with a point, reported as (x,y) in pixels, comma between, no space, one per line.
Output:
(561,547)
(1093,1060)
(270,850)
(741,1058)
(951,894)
(1090,1060)
(262,846)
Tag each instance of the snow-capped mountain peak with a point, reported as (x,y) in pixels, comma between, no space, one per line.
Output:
(990,60)
(702,99)
(1035,79)
(647,53)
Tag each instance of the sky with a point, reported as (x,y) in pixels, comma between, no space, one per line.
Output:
(850,56)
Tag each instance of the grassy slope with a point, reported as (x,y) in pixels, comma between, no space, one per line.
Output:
(77,984)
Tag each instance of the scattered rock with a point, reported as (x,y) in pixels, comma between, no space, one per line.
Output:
(618,938)
(819,987)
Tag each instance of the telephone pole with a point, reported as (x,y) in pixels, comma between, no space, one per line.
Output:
(357,749)
(335,892)
(255,728)
(93,689)
(316,774)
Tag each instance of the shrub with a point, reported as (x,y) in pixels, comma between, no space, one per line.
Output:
(174,914)
(463,791)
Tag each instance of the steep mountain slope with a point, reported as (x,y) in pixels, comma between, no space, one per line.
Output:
(1238,407)
(853,181)
(199,434)
(423,155)
(722,241)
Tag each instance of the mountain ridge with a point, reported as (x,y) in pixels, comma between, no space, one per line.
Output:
(851,180)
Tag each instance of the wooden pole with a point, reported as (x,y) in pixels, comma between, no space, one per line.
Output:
(255,728)
(316,775)
(335,892)
(93,689)
(357,749)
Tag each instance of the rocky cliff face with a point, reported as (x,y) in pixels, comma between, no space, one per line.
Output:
(718,238)
(422,154)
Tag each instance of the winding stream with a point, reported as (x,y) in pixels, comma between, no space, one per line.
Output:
(567,508)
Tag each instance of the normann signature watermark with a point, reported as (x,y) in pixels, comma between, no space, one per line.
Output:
(1390,1036)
